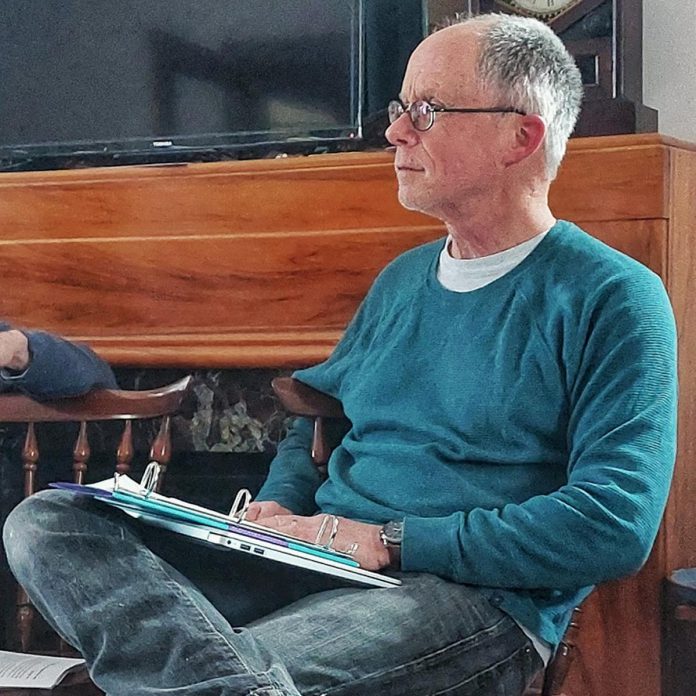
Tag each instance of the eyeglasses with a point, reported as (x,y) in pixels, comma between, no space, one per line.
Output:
(422,114)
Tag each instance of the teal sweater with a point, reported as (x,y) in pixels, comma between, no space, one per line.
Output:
(525,431)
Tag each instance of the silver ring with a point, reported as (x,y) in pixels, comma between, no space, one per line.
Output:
(350,551)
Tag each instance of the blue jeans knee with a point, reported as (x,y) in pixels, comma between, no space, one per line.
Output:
(28,526)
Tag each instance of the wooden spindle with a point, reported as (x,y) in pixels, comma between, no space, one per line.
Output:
(30,457)
(25,612)
(161,450)
(81,454)
(320,449)
(25,619)
(124,453)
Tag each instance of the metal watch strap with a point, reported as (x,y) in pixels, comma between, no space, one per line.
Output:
(391,534)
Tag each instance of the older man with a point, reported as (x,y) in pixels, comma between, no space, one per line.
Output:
(512,395)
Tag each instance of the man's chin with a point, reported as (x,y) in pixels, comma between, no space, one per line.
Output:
(411,201)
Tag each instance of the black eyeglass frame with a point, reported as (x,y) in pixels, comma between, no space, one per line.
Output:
(396,107)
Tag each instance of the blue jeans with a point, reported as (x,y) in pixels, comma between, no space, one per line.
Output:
(157,614)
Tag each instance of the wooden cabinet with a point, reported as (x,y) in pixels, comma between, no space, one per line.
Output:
(262,263)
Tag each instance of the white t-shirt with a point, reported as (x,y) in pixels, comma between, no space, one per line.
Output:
(465,275)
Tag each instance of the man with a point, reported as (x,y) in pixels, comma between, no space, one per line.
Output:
(45,366)
(512,395)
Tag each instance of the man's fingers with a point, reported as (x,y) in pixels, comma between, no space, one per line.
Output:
(281,521)
(253,512)
(304,528)
(267,508)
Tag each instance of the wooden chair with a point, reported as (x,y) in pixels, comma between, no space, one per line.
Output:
(98,405)
(679,633)
(330,424)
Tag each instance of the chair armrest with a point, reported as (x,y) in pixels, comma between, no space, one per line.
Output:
(303,400)
(100,404)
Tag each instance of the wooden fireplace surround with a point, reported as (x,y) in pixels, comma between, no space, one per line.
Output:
(262,263)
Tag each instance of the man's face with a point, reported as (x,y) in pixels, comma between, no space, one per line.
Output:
(443,170)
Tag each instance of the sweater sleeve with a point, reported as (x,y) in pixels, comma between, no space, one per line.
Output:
(621,439)
(293,478)
(58,368)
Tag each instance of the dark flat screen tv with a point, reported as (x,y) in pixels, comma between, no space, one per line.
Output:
(101,82)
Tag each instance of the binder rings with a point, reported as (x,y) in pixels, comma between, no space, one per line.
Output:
(231,531)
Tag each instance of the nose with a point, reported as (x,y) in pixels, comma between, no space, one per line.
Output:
(402,132)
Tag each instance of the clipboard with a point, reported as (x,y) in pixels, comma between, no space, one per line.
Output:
(229,531)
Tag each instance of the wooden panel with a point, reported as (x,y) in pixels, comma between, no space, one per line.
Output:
(220,284)
(227,264)
(598,179)
(343,191)
(328,192)
(618,651)
(643,240)
(680,519)
(245,289)
(211,264)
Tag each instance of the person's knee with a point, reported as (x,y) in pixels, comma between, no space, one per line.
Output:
(29,526)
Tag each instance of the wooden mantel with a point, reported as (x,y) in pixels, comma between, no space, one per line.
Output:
(252,263)
(262,263)
(236,264)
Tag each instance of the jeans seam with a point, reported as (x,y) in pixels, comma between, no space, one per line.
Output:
(480,673)
(153,559)
(404,665)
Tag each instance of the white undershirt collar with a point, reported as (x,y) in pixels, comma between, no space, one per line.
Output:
(465,275)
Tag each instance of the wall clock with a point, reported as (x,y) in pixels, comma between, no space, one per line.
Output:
(543,9)
(605,37)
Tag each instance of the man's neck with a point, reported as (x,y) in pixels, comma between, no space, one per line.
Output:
(497,228)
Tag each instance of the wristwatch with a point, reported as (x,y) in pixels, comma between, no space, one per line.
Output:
(391,535)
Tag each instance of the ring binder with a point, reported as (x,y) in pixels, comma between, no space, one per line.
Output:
(240,505)
(150,477)
(332,534)
(228,531)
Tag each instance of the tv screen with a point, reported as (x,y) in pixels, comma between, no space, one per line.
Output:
(89,82)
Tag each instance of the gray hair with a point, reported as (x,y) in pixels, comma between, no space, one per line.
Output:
(529,66)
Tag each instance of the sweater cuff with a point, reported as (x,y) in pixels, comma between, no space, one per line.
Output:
(427,545)
(7,375)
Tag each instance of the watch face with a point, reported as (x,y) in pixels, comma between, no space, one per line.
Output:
(392,532)
(541,8)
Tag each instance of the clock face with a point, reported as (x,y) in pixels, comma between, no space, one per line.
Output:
(541,8)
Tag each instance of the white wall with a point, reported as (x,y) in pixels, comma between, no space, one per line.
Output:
(669,64)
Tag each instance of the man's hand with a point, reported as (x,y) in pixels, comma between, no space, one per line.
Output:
(256,511)
(369,551)
(14,350)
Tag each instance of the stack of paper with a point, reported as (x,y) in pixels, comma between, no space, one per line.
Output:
(24,671)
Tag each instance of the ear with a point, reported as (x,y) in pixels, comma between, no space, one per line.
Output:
(527,137)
